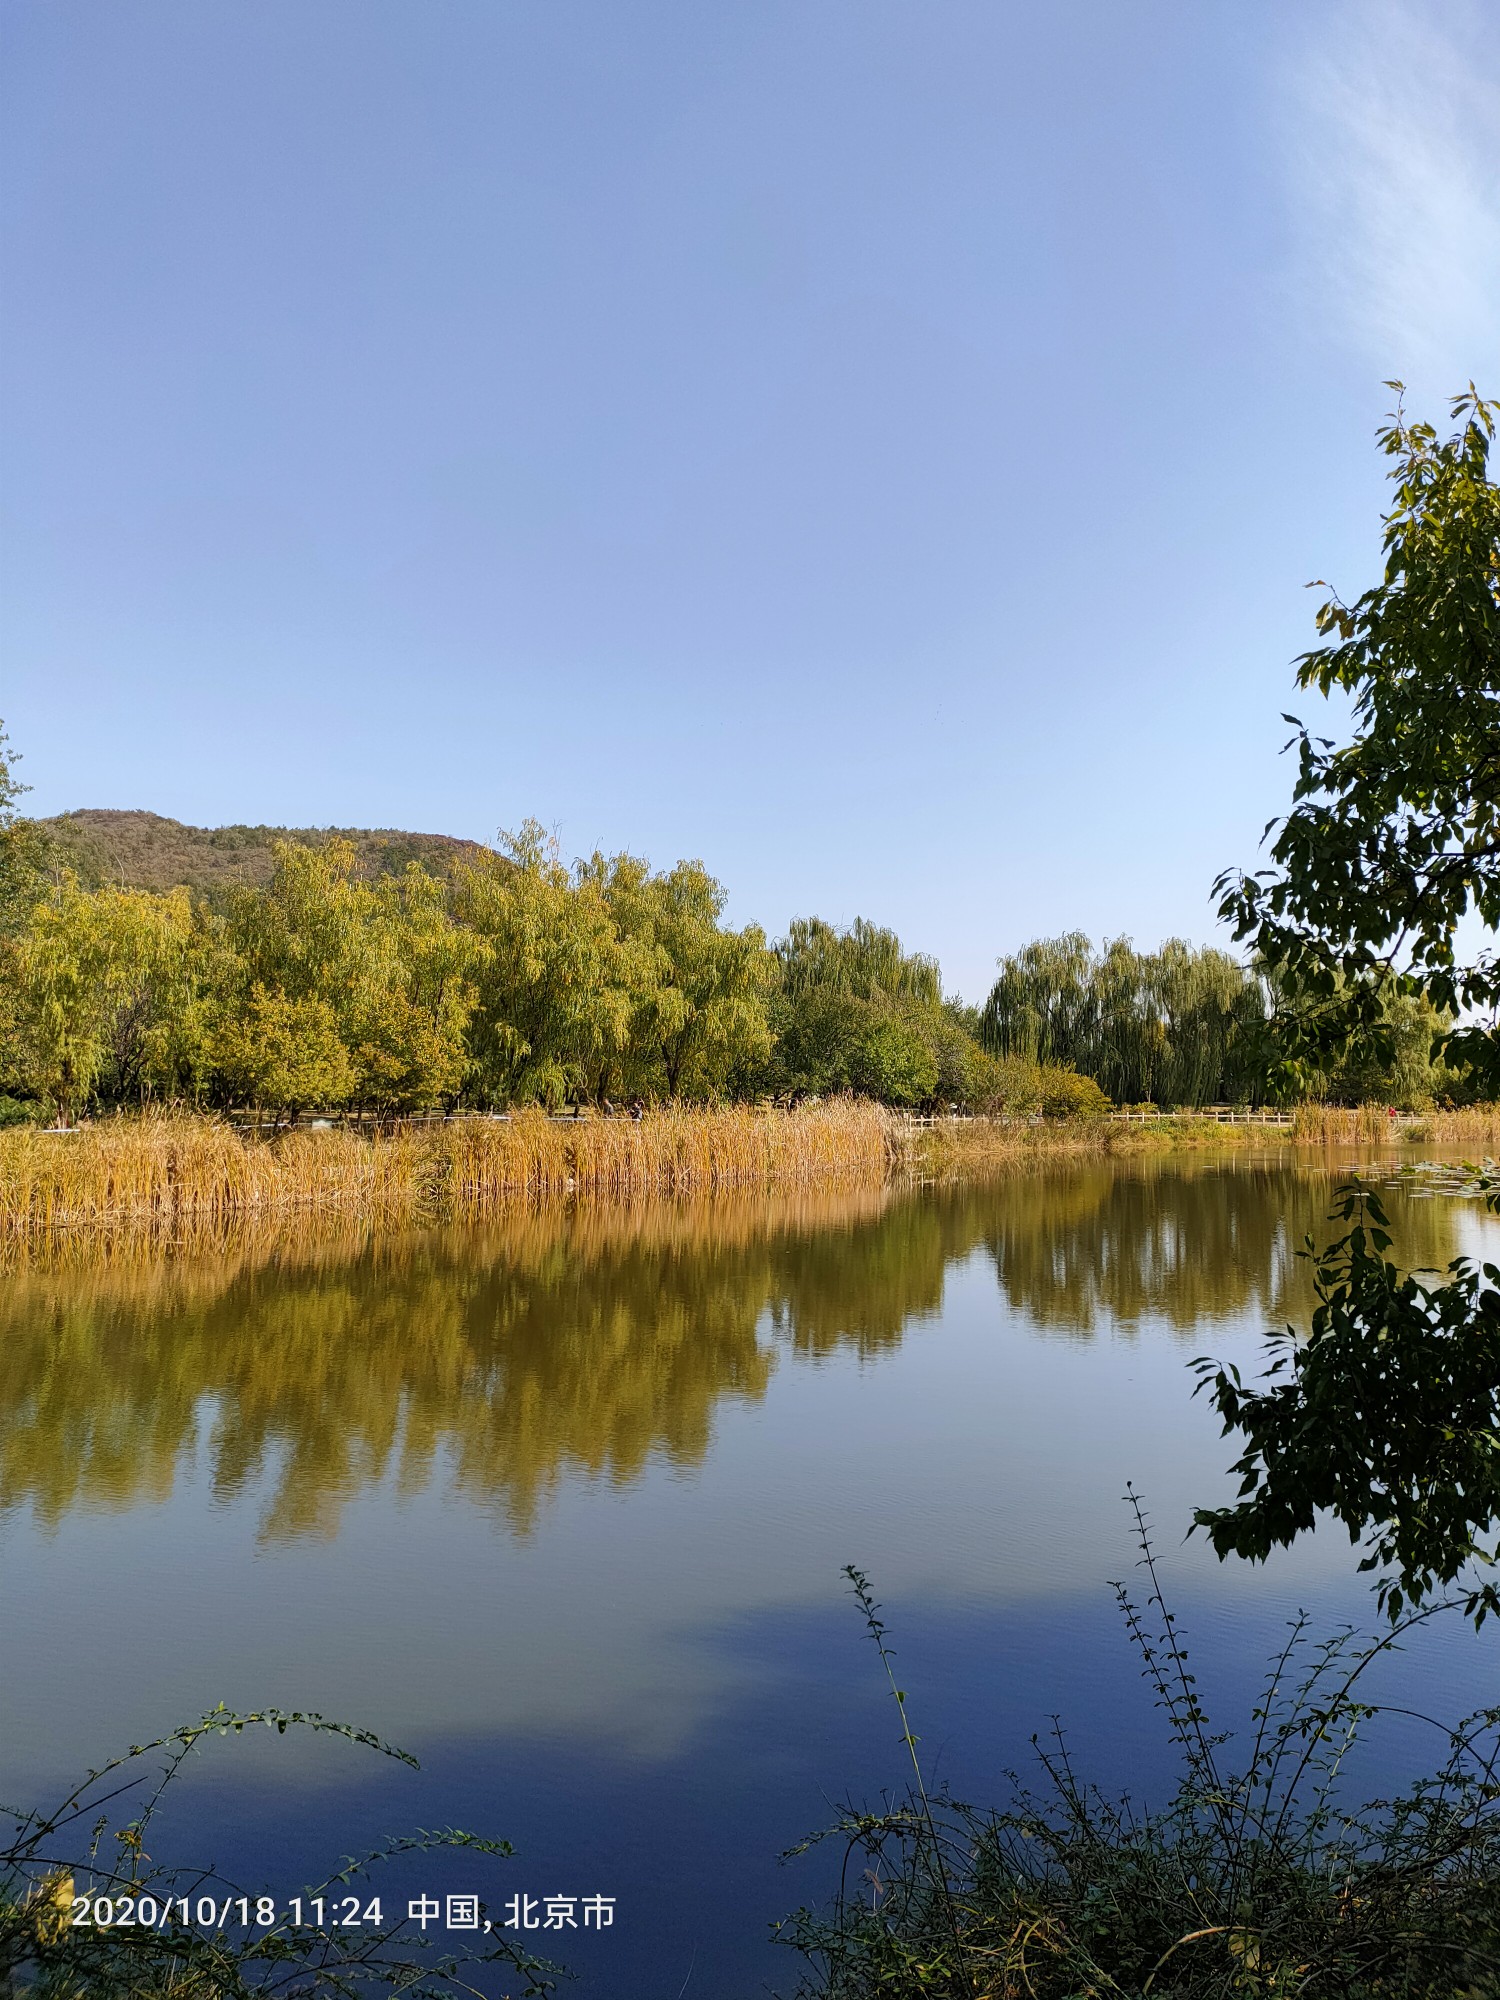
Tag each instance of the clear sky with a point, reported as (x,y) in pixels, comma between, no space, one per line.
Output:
(876,446)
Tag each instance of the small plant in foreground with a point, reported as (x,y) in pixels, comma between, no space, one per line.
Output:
(1253,1878)
(87,1847)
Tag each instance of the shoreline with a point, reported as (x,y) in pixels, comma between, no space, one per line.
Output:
(182,1173)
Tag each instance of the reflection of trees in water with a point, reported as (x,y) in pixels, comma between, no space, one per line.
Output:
(1181,1240)
(522,1353)
(543,1346)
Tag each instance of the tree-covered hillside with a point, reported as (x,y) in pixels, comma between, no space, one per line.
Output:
(142,850)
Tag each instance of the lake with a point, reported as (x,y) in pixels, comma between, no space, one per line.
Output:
(561,1503)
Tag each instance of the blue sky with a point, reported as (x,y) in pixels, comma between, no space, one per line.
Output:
(877,448)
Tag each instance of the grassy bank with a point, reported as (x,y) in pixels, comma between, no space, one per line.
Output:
(956,1147)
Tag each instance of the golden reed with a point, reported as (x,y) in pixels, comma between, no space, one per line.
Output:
(1475,1125)
(181,1173)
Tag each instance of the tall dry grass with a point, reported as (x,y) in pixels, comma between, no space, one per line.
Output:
(1473,1126)
(186,1175)
(1345,1125)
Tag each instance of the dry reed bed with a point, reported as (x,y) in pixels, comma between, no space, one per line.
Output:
(1474,1126)
(952,1148)
(185,1174)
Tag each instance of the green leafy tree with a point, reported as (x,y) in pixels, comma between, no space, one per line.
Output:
(1394,837)
(382,967)
(1174,1026)
(1398,1068)
(409,1039)
(1388,1414)
(864,961)
(557,986)
(285,1054)
(1043,1006)
(699,1001)
(967,1074)
(815,1033)
(892,1060)
(854,1010)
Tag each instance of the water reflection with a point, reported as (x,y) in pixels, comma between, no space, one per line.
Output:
(1184,1241)
(589,1342)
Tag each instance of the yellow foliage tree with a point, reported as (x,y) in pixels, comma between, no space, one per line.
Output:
(273,1051)
(99,976)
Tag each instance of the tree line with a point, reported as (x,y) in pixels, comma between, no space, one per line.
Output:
(519,980)
(1181,1026)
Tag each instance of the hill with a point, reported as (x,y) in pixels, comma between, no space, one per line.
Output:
(141,850)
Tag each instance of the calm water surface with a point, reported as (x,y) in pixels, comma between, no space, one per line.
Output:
(561,1504)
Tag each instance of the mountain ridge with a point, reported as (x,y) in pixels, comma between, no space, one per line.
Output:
(136,849)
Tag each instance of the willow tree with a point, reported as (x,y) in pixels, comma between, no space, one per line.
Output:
(383,968)
(85,961)
(855,1010)
(698,1014)
(409,1038)
(556,988)
(864,961)
(1211,1010)
(1172,1026)
(1043,1007)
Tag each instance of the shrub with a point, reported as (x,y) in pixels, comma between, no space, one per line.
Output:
(44,1877)
(1250,1880)
(1021,1089)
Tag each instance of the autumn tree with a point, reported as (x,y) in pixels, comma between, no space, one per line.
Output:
(699,988)
(94,970)
(379,970)
(556,982)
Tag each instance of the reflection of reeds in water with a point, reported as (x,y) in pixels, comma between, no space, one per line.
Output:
(955,1147)
(128,1266)
(183,1173)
